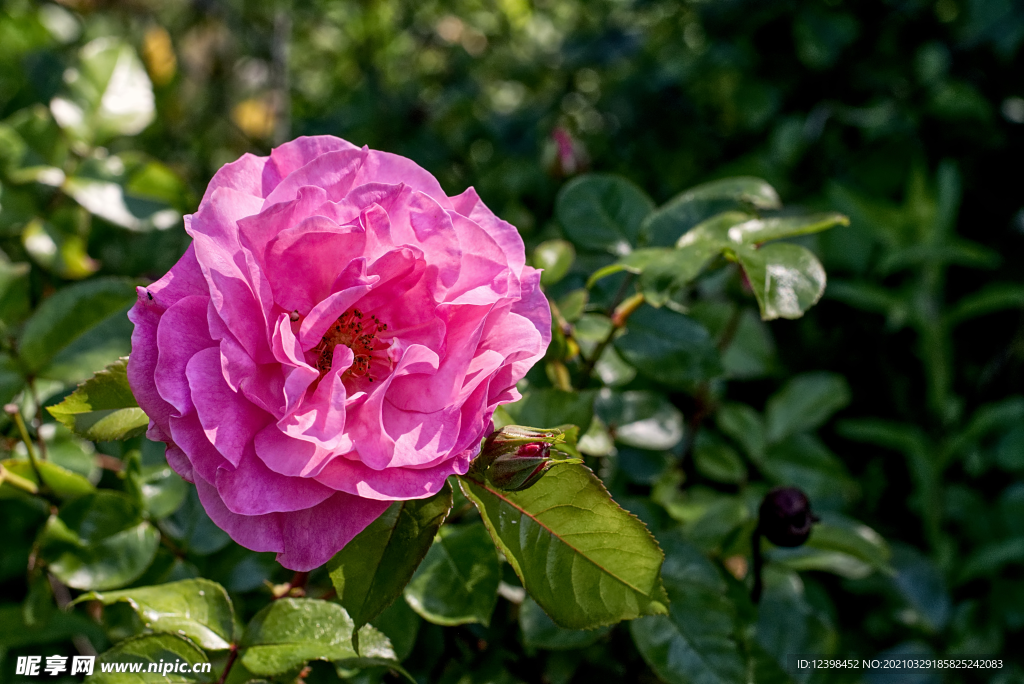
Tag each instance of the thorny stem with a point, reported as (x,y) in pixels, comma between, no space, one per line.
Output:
(227,666)
(619,317)
(563,324)
(13,411)
(38,421)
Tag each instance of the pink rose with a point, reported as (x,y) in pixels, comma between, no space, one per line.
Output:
(336,337)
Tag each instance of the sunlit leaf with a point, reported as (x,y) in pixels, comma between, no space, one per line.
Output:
(103,408)
(554,258)
(63,253)
(110,93)
(786,279)
(586,561)
(62,482)
(664,226)
(645,420)
(289,632)
(759,230)
(197,608)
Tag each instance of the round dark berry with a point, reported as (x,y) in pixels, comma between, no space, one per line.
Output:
(785,517)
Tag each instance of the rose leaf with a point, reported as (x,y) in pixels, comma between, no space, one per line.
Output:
(199,609)
(695,641)
(669,347)
(98,541)
(103,407)
(290,632)
(663,226)
(787,279)
(156,649)
(458,580)
(602,213)
(79,328)
(373,568)
(582,558)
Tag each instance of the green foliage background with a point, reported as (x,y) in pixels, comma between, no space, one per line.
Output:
(895,402)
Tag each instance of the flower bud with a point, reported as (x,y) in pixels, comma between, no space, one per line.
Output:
(785,517)
(514,457)
(516,470)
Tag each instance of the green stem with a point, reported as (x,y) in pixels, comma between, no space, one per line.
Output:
(15,413)
(18,481)
(731,327)
(38,419)
(619,317)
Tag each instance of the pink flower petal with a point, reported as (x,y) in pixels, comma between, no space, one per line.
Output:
(352,284)
(316,249)
(256,231)
(182,334)
(179,462)
(312,536)
(254,532)
(142,366)
(432,392)
(243,176)
(229,420)
(504,233)
(384,167)
(188,435)
(304,539)
(335,172)
(290,455)
(292,156)
(392,484)
(321,416)
(253,489)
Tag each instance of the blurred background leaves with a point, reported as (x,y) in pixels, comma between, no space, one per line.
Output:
(894,402)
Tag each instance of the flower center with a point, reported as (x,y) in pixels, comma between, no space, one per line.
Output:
(359,334)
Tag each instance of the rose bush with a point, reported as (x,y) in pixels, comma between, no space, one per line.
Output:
(336,337)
